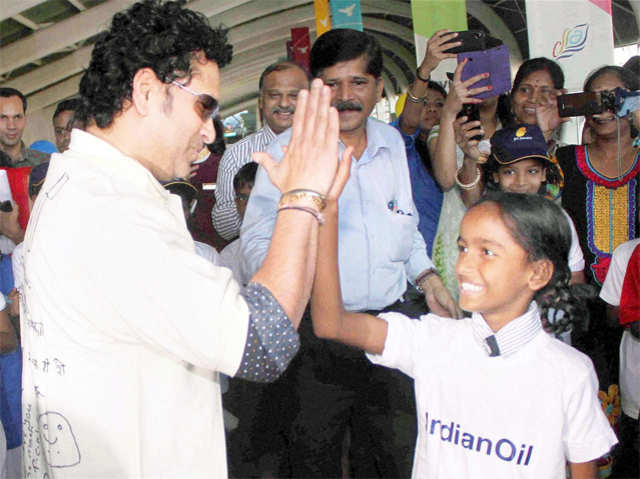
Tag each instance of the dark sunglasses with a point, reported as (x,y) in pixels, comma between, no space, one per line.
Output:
(207,105)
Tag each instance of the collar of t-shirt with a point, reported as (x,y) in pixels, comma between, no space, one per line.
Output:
(510,338)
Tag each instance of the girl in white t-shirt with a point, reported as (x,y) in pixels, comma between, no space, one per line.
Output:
(496,396)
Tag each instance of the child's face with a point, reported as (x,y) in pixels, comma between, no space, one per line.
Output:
(242,196)
(524,176)
(493,270)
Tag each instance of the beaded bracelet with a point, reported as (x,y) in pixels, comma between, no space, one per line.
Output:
(468,186)
(317,198)
(316,214)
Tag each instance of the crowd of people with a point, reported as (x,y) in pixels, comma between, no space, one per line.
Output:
(442,296)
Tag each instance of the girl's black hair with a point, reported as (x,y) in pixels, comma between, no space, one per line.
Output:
(542,229)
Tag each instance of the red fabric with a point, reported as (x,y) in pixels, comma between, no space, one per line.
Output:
(19,184)
(301,46)
(201,225)
(630,298)
(581,157)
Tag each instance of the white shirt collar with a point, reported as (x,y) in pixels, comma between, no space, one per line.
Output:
(511,337)
(90,146)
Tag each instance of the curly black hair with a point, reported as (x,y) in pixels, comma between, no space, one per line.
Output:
(542,229)
(152,34)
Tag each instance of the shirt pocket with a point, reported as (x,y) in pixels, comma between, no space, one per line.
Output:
(399,231)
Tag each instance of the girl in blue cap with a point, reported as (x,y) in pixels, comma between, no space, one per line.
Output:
(516,161)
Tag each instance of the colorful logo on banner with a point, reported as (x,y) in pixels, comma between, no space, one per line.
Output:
(323,19)
(573,41)
(346,14)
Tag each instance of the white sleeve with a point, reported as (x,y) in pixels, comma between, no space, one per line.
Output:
(587,433)
(410,342)
(612,286)
(398,350)
(576,258)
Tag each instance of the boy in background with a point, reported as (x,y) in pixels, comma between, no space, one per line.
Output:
(242,185)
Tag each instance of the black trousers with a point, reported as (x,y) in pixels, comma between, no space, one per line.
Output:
(336,389)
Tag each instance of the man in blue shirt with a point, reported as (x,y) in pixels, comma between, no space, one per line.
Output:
(380,250)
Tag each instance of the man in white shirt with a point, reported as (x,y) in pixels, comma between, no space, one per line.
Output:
(279,85)
(117,306)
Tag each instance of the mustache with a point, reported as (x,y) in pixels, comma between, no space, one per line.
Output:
(347,105)
(284,109)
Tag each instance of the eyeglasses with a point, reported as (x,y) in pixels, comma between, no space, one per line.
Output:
(207,105)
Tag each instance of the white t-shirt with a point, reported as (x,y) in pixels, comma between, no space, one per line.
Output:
(516,416)
(629,346)
(116,309)
(576,258)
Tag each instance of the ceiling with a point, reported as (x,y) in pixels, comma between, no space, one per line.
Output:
(45,44)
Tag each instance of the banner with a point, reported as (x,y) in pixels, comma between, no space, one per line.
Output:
(430,16)
(578,34)
(301,46)
(346,14)
(323,18)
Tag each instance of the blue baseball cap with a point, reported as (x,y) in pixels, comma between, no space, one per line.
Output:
(520,142)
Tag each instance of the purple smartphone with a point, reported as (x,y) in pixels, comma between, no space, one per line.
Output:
(495,61)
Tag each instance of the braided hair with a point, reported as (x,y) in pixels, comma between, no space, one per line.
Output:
(541,228)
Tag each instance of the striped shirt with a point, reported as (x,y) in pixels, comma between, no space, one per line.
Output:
(511,337)
(226,219)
